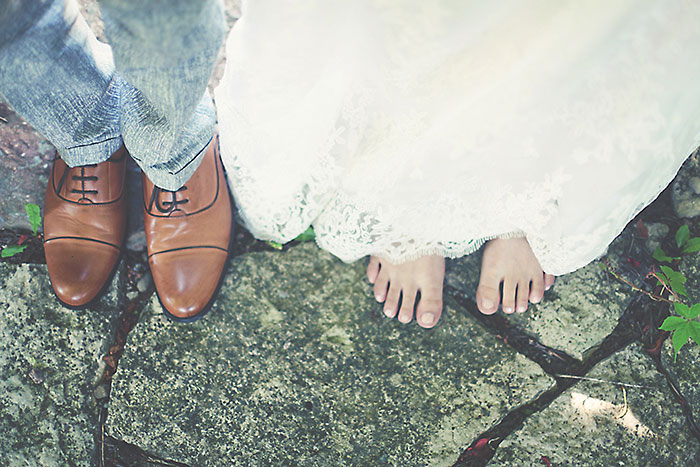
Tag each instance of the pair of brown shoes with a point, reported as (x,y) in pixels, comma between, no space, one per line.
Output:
(188,233)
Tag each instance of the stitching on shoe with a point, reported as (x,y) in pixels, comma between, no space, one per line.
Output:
(225,250)
(68,237)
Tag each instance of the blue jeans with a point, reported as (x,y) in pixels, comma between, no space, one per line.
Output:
(147,91)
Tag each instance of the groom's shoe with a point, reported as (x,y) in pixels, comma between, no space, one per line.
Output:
(188,235)
(84,225)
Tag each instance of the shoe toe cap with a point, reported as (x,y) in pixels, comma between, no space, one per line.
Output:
(187,280)
(79,269)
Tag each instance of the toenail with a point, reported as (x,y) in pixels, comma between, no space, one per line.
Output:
(427,318)
(488,304)
(522,308)
(379,298)
(389,312)
(507,309)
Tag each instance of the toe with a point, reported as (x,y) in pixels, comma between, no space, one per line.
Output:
(372,269)
(522,296)
(537,288)
(488,297)
(380,287)
(391,305)
(509,287)
(408,301)
(381,284)
(548,281)
(429,308)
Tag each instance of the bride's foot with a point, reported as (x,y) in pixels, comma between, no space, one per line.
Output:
(401,283)
(511,262)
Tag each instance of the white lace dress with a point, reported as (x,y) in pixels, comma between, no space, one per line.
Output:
(402,128)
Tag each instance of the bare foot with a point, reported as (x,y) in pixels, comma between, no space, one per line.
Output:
(512,263)
(394,284)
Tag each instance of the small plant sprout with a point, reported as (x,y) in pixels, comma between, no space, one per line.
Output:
(34,215)
(275,245)
(305,236)
(684,326)
(11,250)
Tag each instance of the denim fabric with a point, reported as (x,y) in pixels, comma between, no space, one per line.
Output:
(62,80)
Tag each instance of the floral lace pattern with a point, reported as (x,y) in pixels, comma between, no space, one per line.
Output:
(401,129)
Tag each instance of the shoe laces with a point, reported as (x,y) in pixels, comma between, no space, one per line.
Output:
(167,206)
(82,178)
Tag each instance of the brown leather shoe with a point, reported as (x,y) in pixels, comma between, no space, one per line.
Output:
(84,225)
(188,235)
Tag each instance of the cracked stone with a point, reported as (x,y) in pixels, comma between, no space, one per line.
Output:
(657,232)
(685,197)
(25,163)
(694,184)
(686,369)
(590,424)
(295,364)
(101,392)
(50,360)
(578,312)
(136,241)
(145,282)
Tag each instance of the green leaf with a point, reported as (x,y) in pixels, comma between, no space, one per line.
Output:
(672,323)
(34,215)
(664,281)
(667,271)
(695,331)
(680,337)
(682,309)
(661,256)
(692,246)
(694,311)
(12,250)
(307,235)
(275,245)
(675,280)
(678,287)
(682,235)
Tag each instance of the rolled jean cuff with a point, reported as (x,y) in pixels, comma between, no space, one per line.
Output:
(90,153)
(188,150)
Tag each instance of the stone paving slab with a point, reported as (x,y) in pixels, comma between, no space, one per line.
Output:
(686,367)
(25,158)
(589,424)
(686,370)
(295,365)
(578,312)
(686,188)
(50,359)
